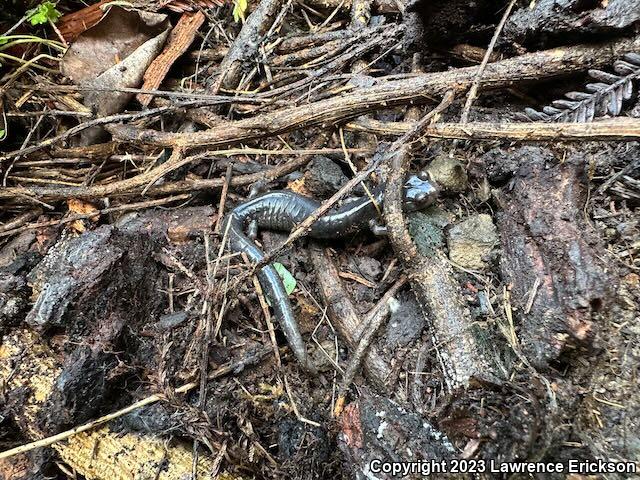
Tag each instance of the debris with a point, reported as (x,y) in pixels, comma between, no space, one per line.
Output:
(323,177)
(181,37)
(471,242)
(112,55)
(448,173)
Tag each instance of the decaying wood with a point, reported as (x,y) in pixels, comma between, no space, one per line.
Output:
(73,24)
(373,427)
(417,89)
(29,364)
(550,256)
(345,318)
(179,40)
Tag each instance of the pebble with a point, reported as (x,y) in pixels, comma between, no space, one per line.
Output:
(472,241)
(448,173)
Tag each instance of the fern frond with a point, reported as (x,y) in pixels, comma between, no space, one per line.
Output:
(603,97)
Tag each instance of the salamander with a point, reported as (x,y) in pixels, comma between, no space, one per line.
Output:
(282,210)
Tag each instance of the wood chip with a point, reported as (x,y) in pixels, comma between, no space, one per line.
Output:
(179,41)
(73,24)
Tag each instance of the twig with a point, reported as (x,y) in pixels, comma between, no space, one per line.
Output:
(372,323)
(223,197)
(473,91)
(432,278)
(83,216)
(385,94)
(620,129)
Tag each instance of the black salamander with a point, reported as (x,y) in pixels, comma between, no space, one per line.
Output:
(283,210)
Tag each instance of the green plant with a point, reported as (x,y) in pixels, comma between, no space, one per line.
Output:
(239,9)
(44,13)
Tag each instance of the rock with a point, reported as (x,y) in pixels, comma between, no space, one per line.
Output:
(323,177)
(368,267)
(320,356)
(448,173)
(471,241)
(426,229)
(406,322)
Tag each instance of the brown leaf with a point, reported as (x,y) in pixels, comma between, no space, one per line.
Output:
(93,60)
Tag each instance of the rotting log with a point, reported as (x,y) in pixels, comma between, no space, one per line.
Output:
(551,258)
(28,366)
(415,89)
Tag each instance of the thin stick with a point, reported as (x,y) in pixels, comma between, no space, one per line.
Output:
(267,317)
(83,216)
(370,327)
(473,91)
(223,197)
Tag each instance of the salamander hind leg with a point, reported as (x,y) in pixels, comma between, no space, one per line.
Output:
(377,228)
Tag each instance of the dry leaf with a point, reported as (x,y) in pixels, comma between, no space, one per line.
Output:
(136,38)
(79,207)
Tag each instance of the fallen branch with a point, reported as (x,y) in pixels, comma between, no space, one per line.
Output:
(131,185)
(370,326)
(344,317)
(432,278)
(245,46)
(417,89)
(607,130)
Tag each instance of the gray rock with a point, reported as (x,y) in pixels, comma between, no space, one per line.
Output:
(471,241)
(427,227)
(448,173)
(406,321)
(323,177)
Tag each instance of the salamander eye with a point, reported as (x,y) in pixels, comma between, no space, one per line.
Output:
(424,176)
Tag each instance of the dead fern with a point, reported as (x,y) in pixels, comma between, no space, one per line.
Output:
(601,98)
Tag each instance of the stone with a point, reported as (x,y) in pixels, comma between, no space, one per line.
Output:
(426,229)
(448,173)
(323,177)
(471,241)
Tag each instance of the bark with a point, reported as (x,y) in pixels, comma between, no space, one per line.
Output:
(551,257)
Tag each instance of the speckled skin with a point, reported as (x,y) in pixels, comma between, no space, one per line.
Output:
(283,210)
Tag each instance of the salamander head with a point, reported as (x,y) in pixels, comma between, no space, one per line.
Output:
(419,192)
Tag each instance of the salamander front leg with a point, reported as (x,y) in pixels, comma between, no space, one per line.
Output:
(257,188)
(252,230)
(377,228)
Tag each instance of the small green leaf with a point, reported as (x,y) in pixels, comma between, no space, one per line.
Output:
(43,13)
(287,278)
(3,133)
(239,9)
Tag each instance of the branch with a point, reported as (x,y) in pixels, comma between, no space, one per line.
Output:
(417,89)
(627,130)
